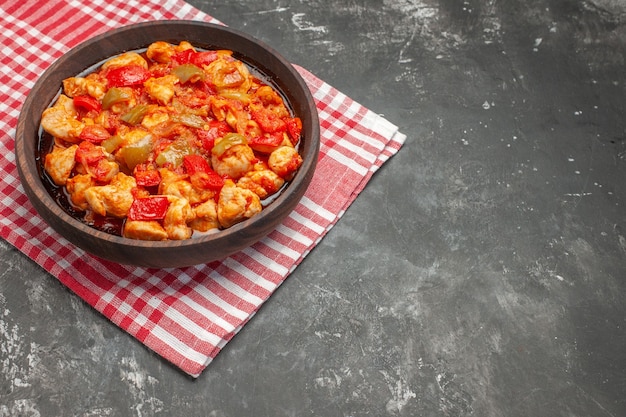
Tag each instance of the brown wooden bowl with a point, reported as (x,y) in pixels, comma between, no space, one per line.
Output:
(165,254)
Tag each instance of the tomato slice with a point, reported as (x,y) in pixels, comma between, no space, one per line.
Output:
(94,160)
(127,76)
(269,121)
(216,130)
(195,163)
(203,58)
(200,173)
(149,208)
(147,178)
(189,56)
(94,134)
(271,140)
(87,102)
(182,57)
(207,181)
(294,129)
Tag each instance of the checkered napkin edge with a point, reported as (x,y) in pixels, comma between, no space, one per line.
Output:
(185,315)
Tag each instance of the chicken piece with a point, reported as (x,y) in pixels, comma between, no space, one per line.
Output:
(96,161)
(179,185)
(127,58)
(127,103)
(236,204)
(134,136)
(206,216)
(285,161)
(76,187)
(263,183)
(230,111)
(266,97)
(183,46)
(251,129)
(144,230)
(228,75)
(151,120)
(179,213)
(161,89)
(161,52)
(61,120)
(106,119)
(78,86)
(113,199)
(59,164)
(170,183)
(234,161)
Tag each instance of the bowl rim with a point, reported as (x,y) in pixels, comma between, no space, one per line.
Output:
(36,189)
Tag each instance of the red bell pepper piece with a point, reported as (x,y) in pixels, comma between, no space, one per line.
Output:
(209,88)
(216,130)
(272,140)
(149,208)
(189,56)
(88,154)
(94,159)
(195,163)
(203,58)
(127,76)
(201,174)
(147,177)
(94,134)
(182,57)
(269,121)
(87,103)
(294,129)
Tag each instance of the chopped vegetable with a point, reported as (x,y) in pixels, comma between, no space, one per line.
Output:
(135,115)
(146,177)
(94,133)
(203,58)
(268,142)
(138,152)
(201,174)
(112,143)
(173,154)
(127,76)
(87,102)
(114,96)
(269,121)
(189,119)
(227,142)
(189,73)
(95,161)
(294,128)
(182,57)
(216,130)
(149,208)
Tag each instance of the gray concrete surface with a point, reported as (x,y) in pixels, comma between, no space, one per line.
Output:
(481,273)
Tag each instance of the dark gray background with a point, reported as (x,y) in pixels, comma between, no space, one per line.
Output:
(481,272)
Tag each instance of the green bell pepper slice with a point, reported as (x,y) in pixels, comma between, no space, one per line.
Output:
(113,96)
(138,152)
(189,72)
(135,115)
(228,141)
(174,153)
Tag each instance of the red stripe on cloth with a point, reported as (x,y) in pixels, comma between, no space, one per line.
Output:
(185,315)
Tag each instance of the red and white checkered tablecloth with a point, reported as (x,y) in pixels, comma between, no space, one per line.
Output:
(185,315)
